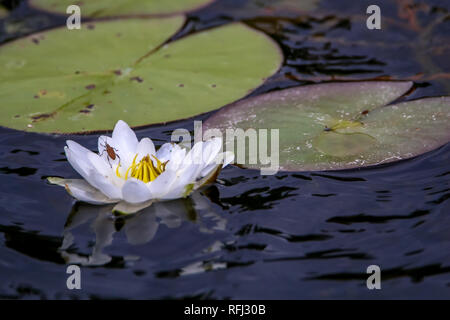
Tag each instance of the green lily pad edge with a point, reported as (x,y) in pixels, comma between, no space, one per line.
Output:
(121,8)
(340,125)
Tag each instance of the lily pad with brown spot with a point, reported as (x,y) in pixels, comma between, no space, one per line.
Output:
(336,126)
(124,70)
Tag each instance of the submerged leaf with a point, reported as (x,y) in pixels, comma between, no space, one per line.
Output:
(84,80)
(108,8)
(341,125)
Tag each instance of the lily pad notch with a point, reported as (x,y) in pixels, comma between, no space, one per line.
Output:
(334,126)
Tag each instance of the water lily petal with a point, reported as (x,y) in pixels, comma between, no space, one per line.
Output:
(224,159)
(135,191)
(180,191)
(215,157)
(211,149)
(162,184)
(177,158)
(228,157)
(102,167)
(184,179)
(164,153)
(125,140)
(195,155)
(173,153)
(193,162)
(81,164)
(144,148)
(78,157)
(206,170)
(92,196)
(104,185)
(81,190)
(77,148)
(106,170)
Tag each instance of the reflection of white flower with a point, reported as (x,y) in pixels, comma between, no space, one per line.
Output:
(134,174)
(139,228)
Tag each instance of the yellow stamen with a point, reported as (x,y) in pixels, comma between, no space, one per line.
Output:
(160,167)
(145,170)
(153,172)
(164,165)
(117,170)
(133,165)
(139,171)
(145,176)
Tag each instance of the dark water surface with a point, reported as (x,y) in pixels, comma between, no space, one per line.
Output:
(292,235)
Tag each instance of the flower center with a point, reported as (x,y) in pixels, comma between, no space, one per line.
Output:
(145,170)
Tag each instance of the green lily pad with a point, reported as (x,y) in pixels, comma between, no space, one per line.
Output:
(84,80)
(343,144)
(336,126)
(108,8)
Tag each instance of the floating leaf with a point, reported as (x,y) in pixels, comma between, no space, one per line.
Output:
(108,8)
(84,80)
(343,144)
(341,125)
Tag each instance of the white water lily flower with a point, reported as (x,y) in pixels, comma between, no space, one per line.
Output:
(133,174)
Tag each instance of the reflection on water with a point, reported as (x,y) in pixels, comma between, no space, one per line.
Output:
(139,228)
